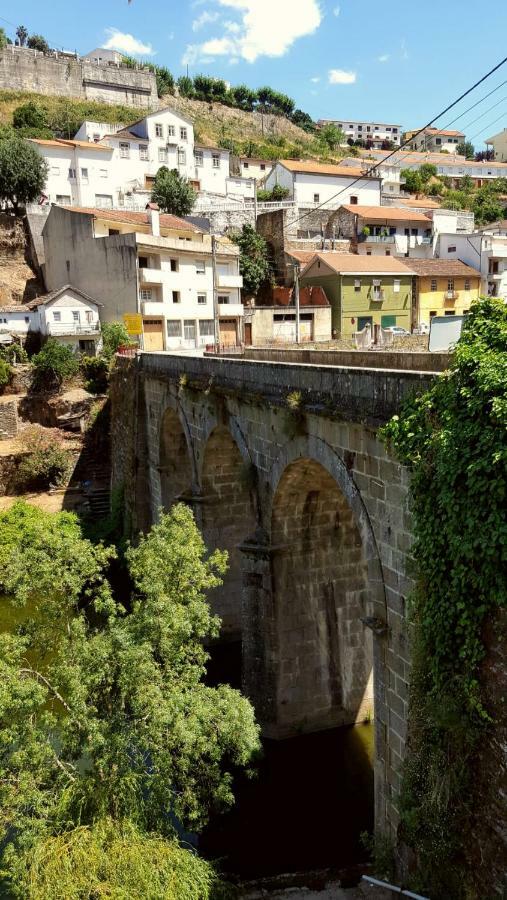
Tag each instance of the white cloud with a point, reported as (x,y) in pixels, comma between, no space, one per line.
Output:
(127,43)
(206,18)
(339,76)
(264,28)
(384,58)
(336,11)
(315,80)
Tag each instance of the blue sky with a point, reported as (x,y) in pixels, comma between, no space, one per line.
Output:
(353,59)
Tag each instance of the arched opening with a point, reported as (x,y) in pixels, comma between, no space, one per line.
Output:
(228,519)
(174,460)
(320,587)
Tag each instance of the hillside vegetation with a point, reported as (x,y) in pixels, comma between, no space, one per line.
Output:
(244,133)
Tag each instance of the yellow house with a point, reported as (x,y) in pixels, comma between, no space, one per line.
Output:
(443,287)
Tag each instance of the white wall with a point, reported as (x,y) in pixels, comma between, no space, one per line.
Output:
(328,186)
(19,322)
(73,314)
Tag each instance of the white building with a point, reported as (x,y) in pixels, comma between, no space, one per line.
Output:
(67,314)
(485,250)
(115,166)
(311,183)
(374,132)
(157,265)
(253,167)
(499,144)
(451,166)
(434,139)
(104,57)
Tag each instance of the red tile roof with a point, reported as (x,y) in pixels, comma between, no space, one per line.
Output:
(135,218)
(358,264)
(310,167)
(387,214)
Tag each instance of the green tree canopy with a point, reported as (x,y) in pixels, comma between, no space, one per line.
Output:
(53,364)
(38,42)
(104,715)
(254,263)
(114,334)
(23,172)
(4,40)
(186,86)
(331,136)
(22,35)
(173,193)
(466,149)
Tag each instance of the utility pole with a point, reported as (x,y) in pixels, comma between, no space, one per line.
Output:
(216,327)
(255,203)
(296,298)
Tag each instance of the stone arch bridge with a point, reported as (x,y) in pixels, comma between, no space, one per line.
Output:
(283,467)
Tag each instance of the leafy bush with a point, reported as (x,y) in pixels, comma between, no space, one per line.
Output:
(43,466)
(14,353)
(277,193)
(5,373)
(114,335)
(95,371)
(173,193)
(254,263)
(23,172)
(53,365)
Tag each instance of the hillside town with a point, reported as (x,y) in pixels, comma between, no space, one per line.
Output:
(252,475)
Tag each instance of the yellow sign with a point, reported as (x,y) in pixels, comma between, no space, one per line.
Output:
(134,323)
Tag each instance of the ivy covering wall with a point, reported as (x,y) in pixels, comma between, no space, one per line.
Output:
(454,440)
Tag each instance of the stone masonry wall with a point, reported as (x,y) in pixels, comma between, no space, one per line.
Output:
(8,418)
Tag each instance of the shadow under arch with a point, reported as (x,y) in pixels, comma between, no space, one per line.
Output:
(176,465)
(228,515)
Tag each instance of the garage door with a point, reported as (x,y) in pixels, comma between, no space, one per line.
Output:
(228,332)
(153,334)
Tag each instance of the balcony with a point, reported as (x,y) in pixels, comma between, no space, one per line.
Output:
(54,329)
(377,238)
(151,276)
(230,281)
(152,307)
(451,295)
(378,296)
(230,310)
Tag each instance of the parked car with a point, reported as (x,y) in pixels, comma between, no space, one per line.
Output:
(397,329)
(422,328)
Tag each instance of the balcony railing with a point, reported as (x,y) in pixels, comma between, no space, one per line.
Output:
(451,295)
(55,328)
(230,281)
(378,295)
(378,238)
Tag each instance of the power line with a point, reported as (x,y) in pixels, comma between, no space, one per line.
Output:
(488,126)
(485,112)
(404,144)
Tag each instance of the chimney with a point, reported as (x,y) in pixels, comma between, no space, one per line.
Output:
(154,219)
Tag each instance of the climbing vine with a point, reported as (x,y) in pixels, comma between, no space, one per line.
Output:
(454,440)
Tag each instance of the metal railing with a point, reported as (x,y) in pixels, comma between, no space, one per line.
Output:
(55,328)
(378,238)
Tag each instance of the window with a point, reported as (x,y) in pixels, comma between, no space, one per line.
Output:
(57,316)
(96,137)
(397,285)
(206,328)
(170,131)
(183,134)
(357,285)
(143,262)
(75,315)
(433,284)
(159,131)
(388,128)
(143,151)
(145,293)
(199,157)
(395,131)
(176,296)
(63,199)
(450,284)
(124,150)
(202,299)
(316,198)
(388,253)
(72,174)
(113,231)
(104,201)
(55,170)
(451,249)
(263,167)
(27,319)
(89,316)
(433,312)
(216,160)
(162,155)
(245,165)
(354,199)
(84,174)
(173,328)
(200,267)
(438,140)
(103,173)
(223,298)
(174,265)
(450,312)
(467,284)
(182,157)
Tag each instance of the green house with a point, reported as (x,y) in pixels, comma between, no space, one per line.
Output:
(362,290)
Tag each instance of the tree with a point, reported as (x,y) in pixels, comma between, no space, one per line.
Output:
(23,172)
(412,181)
(303,120)
(387,145)
(486,205)
(243,97)
(38,42)
(254,262)
(485,156)
(105,721)
(4,40)
(466,149)
(426,172)
(28,115)
(53,364)
(331,136)
(172,192)
(186,86)
(22,35)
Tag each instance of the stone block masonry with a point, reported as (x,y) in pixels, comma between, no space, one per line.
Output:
(314,514)
(8,418)
(22,69)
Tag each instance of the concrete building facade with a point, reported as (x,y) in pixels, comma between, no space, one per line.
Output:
(499,144)
(486,251)
(311,183)
(374,132)
(443,287)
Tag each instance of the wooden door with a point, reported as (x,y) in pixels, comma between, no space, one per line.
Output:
(248,334)
(228,332)
(153,331)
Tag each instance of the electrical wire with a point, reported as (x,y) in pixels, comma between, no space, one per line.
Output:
(404,144)
(488,126)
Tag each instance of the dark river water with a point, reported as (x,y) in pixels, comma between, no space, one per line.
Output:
(307,806)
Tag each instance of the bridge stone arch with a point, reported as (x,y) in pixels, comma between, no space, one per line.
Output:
(228,514)
(175,457)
